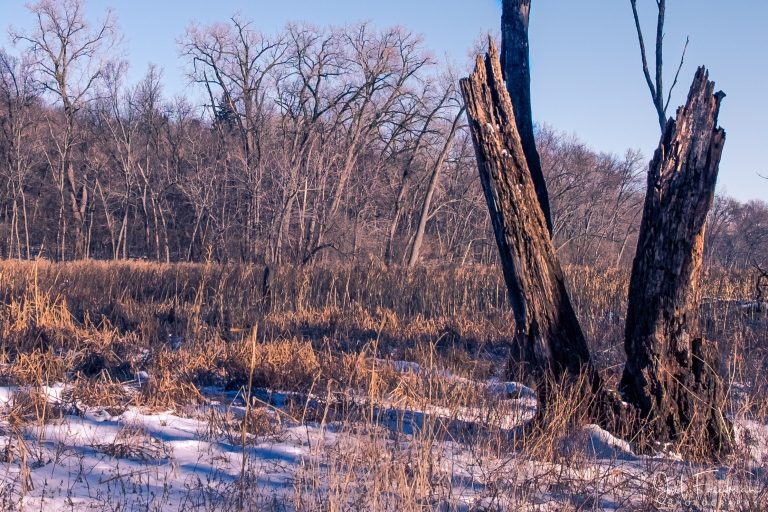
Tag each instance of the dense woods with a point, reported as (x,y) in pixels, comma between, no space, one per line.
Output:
(309,144)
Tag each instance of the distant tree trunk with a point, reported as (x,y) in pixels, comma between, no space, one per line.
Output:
(547,331)
(399,205)
(517,73)
(433,179)
(671,371)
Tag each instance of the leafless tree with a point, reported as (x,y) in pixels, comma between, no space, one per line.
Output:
(671,375)
(656,83)
(68,60)
(350,115)
(434,174)
(670,386)
(238,66)
(19,97)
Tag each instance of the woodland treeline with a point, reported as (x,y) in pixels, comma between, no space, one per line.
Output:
(309,144)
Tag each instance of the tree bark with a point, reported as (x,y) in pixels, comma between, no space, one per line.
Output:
(547,331)
(517,73)
(671,372)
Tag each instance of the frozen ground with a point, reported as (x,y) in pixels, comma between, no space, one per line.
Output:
(381,456)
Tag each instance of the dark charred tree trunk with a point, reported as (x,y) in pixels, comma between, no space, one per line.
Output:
(517,73)
(547,330)
(671,372)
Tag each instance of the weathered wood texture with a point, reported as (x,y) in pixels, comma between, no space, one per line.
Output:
(548,334)
(545,319)
(516,70)
(671,372)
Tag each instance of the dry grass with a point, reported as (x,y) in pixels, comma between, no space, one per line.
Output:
(161,337)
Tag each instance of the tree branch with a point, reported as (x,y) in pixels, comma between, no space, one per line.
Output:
(677,75)
(643,56)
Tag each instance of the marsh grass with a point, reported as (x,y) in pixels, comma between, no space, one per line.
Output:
(160,337)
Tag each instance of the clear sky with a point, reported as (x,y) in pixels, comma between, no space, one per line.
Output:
(585,62)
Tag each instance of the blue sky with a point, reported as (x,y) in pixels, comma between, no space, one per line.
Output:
(587,78)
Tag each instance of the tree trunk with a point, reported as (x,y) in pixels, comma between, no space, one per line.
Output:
(517,73)
(548,334)
(671,371)
(433,179)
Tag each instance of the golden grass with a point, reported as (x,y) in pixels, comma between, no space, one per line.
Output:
(156,335)
(105,320)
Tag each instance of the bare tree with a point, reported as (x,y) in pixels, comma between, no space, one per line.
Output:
(656,84)
(671,374)
(237,66)
(114,118)
(307,99)
(381,67)
(434,176)
(670,377)
(760,284)
(595,197)
(18,96)
(69,58)
(341,116)
(417,124)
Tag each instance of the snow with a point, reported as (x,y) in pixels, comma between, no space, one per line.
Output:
(5,396)
(143,459)
(602,445)
(83,460)
(493,386)
(754,437)
(96,460)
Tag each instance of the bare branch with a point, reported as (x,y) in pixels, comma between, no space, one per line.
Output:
(640,38)
(659,62)
(677,75)
(656,88)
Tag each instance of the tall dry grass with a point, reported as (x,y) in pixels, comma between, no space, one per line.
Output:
(158,336)
(187,322)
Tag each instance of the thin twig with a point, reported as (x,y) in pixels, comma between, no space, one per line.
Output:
(677,75)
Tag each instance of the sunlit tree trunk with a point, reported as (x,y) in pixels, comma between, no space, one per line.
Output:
(671,372)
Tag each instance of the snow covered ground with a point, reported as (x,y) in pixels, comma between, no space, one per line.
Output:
(383,456)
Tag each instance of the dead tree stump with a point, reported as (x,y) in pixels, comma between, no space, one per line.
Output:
(671,371)
(547,330)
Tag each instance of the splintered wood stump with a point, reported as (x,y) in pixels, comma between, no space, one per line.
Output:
(671,372)
(547,331)
(544,317)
